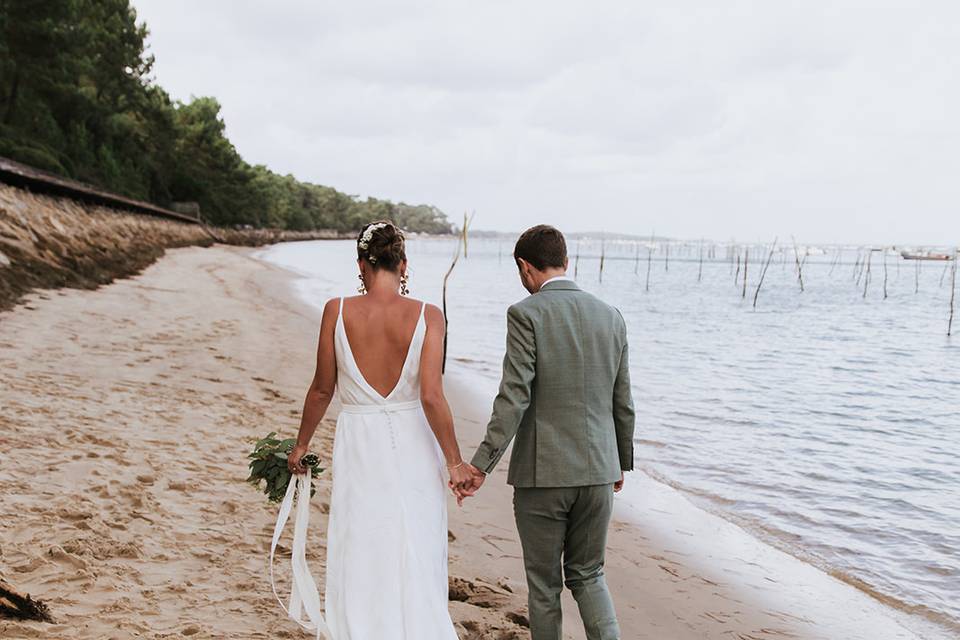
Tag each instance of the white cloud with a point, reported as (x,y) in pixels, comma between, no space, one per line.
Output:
(830,120)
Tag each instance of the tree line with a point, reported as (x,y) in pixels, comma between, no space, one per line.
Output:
(77,99)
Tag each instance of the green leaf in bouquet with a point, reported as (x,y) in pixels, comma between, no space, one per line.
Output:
(263,441)
(268,463)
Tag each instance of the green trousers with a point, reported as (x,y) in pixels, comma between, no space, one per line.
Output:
(563,532)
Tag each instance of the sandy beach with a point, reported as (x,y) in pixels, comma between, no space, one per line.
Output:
(125,417)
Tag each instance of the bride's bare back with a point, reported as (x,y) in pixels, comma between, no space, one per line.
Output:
(380,333)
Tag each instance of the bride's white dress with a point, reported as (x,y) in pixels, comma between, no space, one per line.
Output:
(387,532)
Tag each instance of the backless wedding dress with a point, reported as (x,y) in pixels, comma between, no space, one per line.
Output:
(387,532)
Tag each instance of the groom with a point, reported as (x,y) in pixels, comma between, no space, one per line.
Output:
(565,396)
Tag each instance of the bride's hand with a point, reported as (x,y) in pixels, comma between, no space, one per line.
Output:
(293,460)
(460,479)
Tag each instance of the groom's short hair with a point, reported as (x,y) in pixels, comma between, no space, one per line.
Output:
(542,246)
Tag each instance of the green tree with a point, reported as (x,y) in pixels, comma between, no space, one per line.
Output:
(76,98)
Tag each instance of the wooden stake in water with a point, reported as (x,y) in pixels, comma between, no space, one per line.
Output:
(916,270)
(466,223)
(700,271)
(649,262)
(866,280)
(856,267)
(884,273)
(746,258)
(763,273)
(666,258)
(953,291)
(576,262)
(736,276)
(603,255)
(796,257)
(833,263)
(461,244)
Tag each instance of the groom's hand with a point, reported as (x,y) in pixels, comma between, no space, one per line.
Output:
(618,485)
(476,481)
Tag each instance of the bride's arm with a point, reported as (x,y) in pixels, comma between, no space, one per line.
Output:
(321,388)
(431,392)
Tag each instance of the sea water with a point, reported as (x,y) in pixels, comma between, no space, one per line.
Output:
(826,422)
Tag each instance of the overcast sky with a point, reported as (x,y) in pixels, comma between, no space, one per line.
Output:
(834,121)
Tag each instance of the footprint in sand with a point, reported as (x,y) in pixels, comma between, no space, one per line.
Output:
(60,555)
(32,564)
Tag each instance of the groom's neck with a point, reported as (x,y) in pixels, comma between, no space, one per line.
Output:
(549,272)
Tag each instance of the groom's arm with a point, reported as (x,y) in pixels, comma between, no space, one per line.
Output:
(519,366)
(624,416)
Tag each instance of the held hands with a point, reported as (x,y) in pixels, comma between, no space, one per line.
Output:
(465,480)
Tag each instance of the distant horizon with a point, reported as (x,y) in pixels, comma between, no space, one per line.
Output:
(731,241)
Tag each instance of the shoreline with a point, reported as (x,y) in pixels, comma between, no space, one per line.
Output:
(145,394)
(872,616)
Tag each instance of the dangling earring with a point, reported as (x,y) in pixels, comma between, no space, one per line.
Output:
(362,289)
(404,290)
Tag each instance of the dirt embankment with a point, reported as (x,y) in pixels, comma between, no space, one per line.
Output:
(51,242)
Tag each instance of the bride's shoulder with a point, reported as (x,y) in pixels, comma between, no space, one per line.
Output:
(432,313)
(331,309)
(333,304)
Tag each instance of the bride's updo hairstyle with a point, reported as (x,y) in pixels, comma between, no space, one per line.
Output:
(381,244)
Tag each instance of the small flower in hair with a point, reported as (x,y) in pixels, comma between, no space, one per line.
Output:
(367,236)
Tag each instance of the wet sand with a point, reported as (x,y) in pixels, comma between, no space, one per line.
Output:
(125,417)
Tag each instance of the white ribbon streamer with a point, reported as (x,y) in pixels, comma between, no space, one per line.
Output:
(304,595)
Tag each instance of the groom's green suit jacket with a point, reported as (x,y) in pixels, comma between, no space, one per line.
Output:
(565,393)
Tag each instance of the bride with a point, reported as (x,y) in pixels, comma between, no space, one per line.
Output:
(387,531)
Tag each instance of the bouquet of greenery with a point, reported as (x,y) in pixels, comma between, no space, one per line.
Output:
(268,461)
